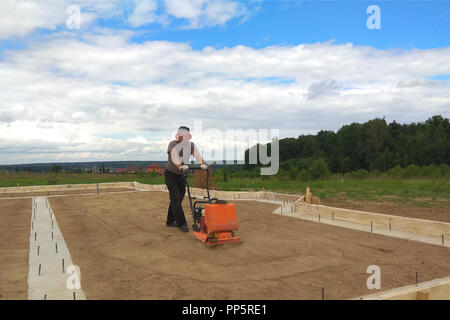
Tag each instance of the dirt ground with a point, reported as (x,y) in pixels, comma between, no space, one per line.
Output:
(428,213)
(62,192)
(125,251)
(15,219)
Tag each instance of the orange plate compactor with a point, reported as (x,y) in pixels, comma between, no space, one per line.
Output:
(214,220)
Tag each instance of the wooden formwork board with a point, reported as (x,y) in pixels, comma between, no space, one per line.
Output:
(438,289)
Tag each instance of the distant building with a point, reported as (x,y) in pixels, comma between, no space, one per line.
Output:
(120,170)
(159,169)
(132,169)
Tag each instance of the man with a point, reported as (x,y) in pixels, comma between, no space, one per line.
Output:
(179,152)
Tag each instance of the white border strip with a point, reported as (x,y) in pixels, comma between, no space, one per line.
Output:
(49,258)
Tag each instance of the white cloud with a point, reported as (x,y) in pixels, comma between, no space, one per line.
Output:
(139,140)
(21,17)
(323,88)
(219,12)
(144,13)
(201,13)
(102,97)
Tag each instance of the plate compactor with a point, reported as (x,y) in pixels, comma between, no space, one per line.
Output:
(214,220)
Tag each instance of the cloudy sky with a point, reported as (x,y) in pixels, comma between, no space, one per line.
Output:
(114,82)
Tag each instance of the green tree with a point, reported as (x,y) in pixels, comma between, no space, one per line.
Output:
(375,142)
(396,172)
(370,145)
(282,175)
(359,174)
(56,168)
(303,175)
(412,171)
(445,169)
(293,173)
(319,169)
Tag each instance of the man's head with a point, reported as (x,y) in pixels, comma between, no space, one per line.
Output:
(183,133)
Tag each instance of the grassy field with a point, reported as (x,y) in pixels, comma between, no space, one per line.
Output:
(417,192)
(433,192)
(37,179)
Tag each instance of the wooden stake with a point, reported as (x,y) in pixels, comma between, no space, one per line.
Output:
(39,269)
(323,293)
(39,247)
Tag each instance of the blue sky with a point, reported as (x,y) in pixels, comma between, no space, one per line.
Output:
(405,24)
(115,88)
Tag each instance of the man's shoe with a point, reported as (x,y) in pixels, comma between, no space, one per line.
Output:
(184,228)
(172,224)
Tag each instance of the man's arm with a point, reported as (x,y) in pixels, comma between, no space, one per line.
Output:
(198,156)
(175,158)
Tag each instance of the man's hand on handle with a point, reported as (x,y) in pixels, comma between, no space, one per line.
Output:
(185,167)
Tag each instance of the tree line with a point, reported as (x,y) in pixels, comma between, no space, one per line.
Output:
(374,145)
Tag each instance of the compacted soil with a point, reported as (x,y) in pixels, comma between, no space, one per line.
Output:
(125,251)
(15,220)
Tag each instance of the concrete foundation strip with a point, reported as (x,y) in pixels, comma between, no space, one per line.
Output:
(46,279)
(66,187)
(427,231)
(66,195)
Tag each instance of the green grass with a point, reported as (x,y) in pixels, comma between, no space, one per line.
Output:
(34,179)
(417,192)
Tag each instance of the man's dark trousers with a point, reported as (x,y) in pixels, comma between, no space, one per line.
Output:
(177,189)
